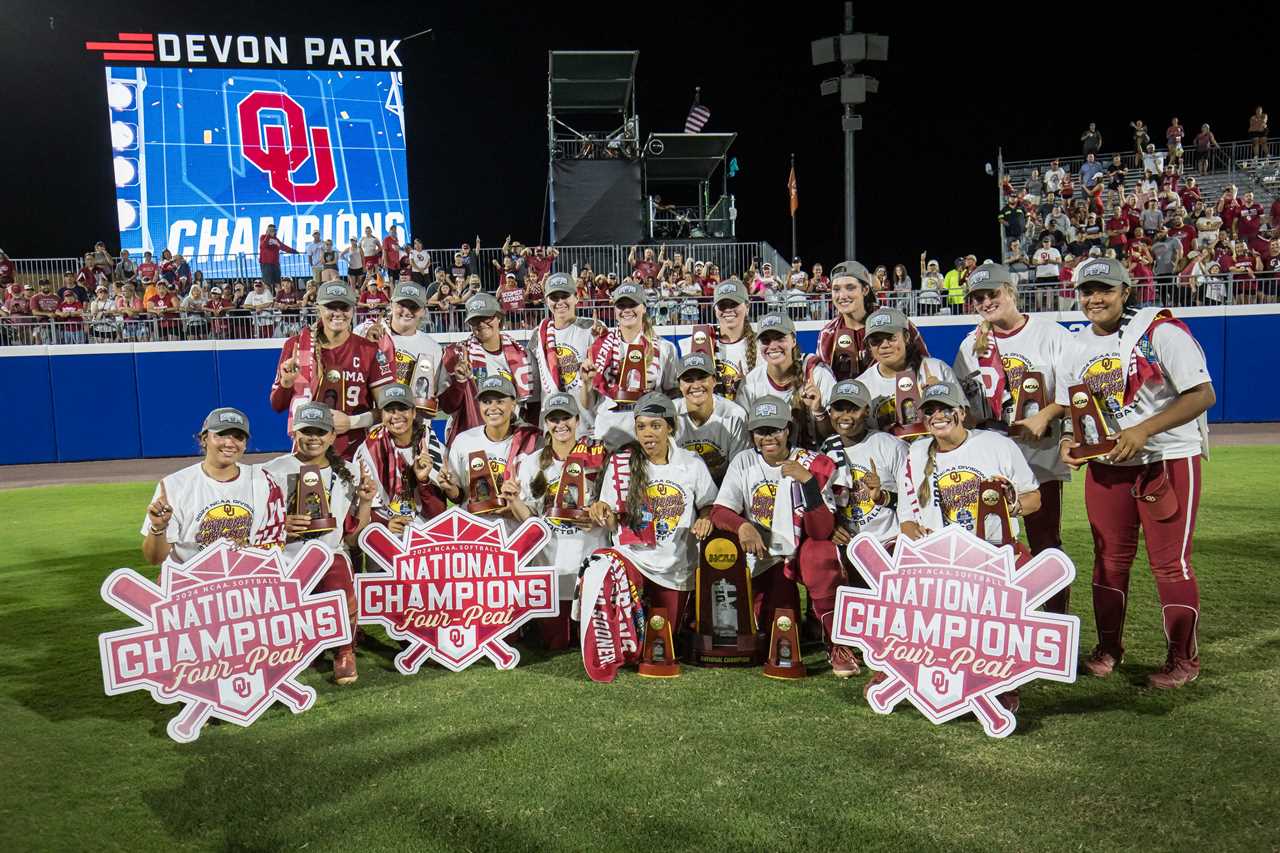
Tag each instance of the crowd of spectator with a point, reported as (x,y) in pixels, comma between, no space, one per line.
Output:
(1147,211)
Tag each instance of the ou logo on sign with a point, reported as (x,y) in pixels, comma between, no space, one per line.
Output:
(267,148)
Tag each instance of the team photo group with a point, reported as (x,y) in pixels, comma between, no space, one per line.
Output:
(635,450)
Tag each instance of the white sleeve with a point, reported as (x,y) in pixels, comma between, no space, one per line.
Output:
(608,492)
(1180,357)
(668,381)
(945,373)
(965,368)
(362,455)
(1014,465)
(892,463)
(458,462)
(704,489)
(738,439)
(732,494)
(1065,374)
(826,382)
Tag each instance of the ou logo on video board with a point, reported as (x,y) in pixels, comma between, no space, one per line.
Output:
(266,147)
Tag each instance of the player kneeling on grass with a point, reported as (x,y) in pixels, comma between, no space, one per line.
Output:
(405,460)
(656,498)
(941,482)
(217,498)
(1149,374)
(349,492)
(771,498)
(543,487)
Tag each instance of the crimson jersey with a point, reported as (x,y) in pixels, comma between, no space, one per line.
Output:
(1249,219)
(46,302)
(6,272)
(350,373)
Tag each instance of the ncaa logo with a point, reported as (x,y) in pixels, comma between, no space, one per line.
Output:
(284,145)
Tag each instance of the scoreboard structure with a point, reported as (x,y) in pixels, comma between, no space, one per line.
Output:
(204,158)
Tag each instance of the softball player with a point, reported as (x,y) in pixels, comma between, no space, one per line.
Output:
(408,305)
(404,460)
(895,350)
(706,423)
(787,372)
(735,341)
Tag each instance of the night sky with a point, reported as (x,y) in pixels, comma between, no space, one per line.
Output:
(950,96)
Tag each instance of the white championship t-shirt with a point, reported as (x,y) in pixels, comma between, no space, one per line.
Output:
(719,438)
(569,544)
(758,384)
(731,361)
(1095,360)
(205,510)
(341,497)
(1036,347)
(677,491)
(474,440)
(408,349)
(854,510)
(750,488)
(884,388)
(953,493)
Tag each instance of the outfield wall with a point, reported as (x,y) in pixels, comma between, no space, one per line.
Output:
(126,401)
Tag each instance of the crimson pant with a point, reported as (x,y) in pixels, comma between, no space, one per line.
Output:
(655,594)
(1115,517)
(1044,531)
(816,565)
(340,577)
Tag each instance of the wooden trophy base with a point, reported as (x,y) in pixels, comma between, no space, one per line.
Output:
(784,660)
(576,517)
(429,408)
(909,431)
(322,525)
(659,643)
(746,652)
(485,507)
(1092,451)
(659,670)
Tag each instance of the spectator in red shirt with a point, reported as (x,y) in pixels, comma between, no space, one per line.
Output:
(7,270)
(1118,228)
(17,311)
(163,309)
(1185,232)
(373,299)
(646,267)
(1228,208)
(269,249)
(1190,194)
(147,269)
(70,312)
(511,296)
(216,308)
(1248,222)
(538,261)
(391,251)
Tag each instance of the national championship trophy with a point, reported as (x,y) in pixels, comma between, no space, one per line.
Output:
(658,657)
(571,501)
(844,357)
(724,623)
(482,488)
(994,499)
(703,341)
(1032,398)
(422,381)
(784,647)
(906,407)
(311,500)
(1088,425)
(633,378)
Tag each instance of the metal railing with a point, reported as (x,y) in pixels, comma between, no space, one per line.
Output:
(666,310)
(1232,157)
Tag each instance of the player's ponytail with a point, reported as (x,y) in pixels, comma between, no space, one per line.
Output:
(925,494)
(339,466)
(637,486)
(749,335)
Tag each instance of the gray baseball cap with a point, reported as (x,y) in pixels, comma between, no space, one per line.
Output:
(410,291)
(885,320)
(947,393)
(1102,271)
(988,277)
(335,291)
(775,323)
(851,391)
(313,414)
(483,305)
(561,402)
(731,290)
(655,404)
(769,412)
(226,419)
(696,361)
(851,268)
(628,291)
(559,282)
(393,394)
(496,384)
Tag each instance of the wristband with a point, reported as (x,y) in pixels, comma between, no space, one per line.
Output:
(361,421)
(160,532)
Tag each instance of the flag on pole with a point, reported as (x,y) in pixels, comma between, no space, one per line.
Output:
(698,114)
(791,190)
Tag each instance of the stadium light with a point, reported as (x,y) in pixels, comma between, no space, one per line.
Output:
(850,48)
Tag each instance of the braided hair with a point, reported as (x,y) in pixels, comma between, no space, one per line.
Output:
(749,334)
(925,493)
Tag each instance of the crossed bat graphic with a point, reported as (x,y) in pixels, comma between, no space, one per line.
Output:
(1038,580)
(137,596)
(384,549)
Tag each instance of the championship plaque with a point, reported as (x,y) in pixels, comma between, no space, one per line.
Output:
(572,500)
(784,647)
(311,500)
(482,488)
(906,406)
(994,497)
(1088,425)
(1031,397)
(844,357)
(422,382)
(724,621)
(633,379)
(704,342)
(658,659)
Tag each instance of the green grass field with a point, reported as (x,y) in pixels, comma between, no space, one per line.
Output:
(541,758)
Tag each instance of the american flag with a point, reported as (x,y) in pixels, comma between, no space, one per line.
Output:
(698,114)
